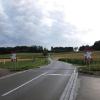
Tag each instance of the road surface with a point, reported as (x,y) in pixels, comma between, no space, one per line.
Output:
(45,83)
(89,88)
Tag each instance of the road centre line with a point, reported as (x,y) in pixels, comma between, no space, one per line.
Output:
(23,84)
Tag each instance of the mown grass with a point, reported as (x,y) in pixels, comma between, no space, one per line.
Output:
(34,60)
(78,59)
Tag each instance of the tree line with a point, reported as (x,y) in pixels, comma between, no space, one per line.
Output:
(61,49)
(40,49)
(21,49)
(95,46)
(33,49)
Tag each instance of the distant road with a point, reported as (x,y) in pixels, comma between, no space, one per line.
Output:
(45,83)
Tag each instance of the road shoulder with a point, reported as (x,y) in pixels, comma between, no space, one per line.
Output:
(89,88)
(4,72)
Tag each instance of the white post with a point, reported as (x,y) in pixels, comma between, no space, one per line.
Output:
(4,61)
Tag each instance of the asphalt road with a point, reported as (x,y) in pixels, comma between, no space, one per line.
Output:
(89,87)
(45,83)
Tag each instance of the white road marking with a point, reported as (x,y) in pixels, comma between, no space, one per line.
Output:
(23,84)
(67,91)
(58,74)
(3,77)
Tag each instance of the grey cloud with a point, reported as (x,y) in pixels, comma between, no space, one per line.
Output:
(22,25)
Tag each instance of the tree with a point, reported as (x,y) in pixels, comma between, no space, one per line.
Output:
(82,48)
(96,45)
(61,49)
(19,49)
(45,52)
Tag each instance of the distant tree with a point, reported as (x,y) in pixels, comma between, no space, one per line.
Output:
(96,45)
(86,47)
(21,49)
(51,49)
(61,49)
(81,48)
(45,52)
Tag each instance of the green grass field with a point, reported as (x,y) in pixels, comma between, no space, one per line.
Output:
(78,59)
(33,60)
(27,61)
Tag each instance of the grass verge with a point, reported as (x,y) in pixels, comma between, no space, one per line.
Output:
(93,68)
(24,65)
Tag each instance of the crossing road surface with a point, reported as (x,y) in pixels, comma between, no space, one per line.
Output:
(45,83)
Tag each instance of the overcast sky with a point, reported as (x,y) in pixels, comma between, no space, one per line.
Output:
(49,22)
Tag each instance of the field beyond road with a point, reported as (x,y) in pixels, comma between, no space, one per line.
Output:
(33,60)
(78,59)
(24,61)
